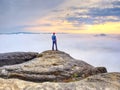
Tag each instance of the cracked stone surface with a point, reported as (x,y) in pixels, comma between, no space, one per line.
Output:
(51,66)
(54,70)
(104,81)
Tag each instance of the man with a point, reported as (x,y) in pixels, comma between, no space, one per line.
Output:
(54,41)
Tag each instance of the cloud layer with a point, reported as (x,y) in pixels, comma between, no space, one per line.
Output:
(15,13)
(59,15)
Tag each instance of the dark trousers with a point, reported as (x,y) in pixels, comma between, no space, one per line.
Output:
(54,43)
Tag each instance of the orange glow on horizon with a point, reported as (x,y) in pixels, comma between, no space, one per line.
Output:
(108,28)
(69,27)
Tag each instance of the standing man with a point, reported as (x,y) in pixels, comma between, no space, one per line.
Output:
(54,41)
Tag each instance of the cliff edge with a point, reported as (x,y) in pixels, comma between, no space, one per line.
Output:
(55,70)
(51,66)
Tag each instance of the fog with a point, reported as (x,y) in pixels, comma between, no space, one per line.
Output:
(97,50)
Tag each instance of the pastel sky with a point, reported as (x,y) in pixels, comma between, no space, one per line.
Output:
(68,16)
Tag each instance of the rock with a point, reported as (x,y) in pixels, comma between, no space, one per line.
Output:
(55,66)
(101,69)
(65,72)
(16,57)
(4,72)
(104,81)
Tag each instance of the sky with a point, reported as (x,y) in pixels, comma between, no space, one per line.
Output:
(67,16)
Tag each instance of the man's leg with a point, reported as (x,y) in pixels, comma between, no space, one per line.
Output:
(53,46)
(56,46)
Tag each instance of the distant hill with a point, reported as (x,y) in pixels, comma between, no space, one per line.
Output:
(99,35)
(21,33)
(27,33)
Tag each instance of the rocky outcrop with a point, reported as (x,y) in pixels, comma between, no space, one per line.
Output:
(58,69)
(107,81)
(51,66)
(16,57)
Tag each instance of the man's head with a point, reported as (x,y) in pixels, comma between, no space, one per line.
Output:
(53,33)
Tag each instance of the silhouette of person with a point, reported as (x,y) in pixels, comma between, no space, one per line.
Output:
(54,41)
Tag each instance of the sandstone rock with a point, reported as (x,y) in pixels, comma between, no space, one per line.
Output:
(51,66)
(106,81)
(16,57)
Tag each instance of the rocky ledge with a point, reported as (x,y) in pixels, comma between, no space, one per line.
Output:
(16,57)
(105,81)
(50,66)
(55,70)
